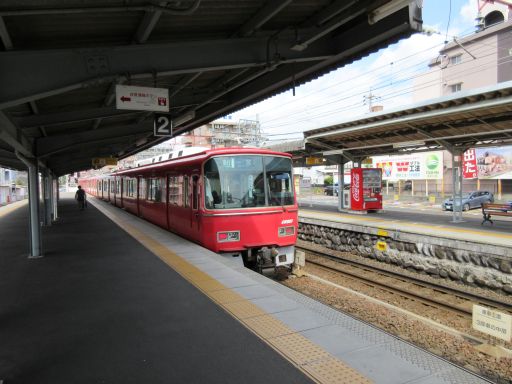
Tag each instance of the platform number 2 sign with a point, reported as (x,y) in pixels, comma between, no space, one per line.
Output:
(162,125)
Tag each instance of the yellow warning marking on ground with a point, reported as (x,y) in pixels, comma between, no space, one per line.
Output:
(437,228)
(267,326)
(225,296)
(382,232)
(307,356)
(381,246)
(5,210)
(301,350)
(334,371)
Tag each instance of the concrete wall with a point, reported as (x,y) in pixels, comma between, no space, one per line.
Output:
(474,264)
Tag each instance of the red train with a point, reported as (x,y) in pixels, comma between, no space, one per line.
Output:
(238,201)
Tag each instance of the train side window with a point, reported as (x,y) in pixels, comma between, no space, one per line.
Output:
(186,202)
(154,190)
(173,190)
(142,189)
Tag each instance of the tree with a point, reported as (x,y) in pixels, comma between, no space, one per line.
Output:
(328,180)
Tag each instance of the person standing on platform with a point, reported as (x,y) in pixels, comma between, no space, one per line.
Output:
(81,198)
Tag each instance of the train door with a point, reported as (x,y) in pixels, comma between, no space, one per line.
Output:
(121,191)
(195,219)
(167,200)
(139,194)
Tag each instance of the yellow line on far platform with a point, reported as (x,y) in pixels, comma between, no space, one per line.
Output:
(387,224)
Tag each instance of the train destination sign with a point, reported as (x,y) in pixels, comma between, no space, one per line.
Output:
(142,98)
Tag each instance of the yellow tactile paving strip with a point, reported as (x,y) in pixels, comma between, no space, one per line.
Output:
(310,358)
(12,207)
(391,225)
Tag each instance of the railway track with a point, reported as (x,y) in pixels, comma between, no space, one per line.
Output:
(458,302)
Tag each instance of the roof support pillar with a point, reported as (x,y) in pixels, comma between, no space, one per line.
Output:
(55,197)
(47,198)
(33,198)
(342,204)
(457,186)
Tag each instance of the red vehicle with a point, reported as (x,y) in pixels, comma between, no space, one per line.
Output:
(365,192)
(237,201)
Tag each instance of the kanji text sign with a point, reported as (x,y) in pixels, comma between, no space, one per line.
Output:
(142,98)
(491,322)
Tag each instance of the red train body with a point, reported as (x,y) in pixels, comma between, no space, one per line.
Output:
(239,201)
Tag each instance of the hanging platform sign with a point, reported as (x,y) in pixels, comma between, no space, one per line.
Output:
(98,162)
(142,98)
(314,160)
(162,125)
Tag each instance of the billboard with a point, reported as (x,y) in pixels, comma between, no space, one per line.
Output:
(488,163)
(414,166)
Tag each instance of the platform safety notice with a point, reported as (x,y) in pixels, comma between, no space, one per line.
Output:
(491,322)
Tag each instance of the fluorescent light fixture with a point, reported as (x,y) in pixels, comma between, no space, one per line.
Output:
(141,141)
(333,152)
(387,10)
(406,144)
(184,118)
(299,47)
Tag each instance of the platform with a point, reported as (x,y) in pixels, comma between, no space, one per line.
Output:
(121,300)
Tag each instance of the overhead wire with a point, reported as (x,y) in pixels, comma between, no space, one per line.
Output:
(471,70)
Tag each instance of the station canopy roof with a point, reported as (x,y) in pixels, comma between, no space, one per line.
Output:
(480,117)
(61,60)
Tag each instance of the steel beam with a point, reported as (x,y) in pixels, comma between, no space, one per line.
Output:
(147,24)
(47,146)
(359,39)
(4,35)
(10,134)
(70,117)
(69,69)
(80,10)
(268,11)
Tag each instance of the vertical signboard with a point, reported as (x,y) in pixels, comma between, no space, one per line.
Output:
(469,169)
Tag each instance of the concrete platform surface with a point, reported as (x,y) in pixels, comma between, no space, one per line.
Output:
(101,308)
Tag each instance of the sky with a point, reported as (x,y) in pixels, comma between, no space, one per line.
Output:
(388,75)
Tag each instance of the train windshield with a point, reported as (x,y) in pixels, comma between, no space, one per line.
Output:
(248,181)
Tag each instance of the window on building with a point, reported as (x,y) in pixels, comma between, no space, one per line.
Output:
(456,87)
(457,59)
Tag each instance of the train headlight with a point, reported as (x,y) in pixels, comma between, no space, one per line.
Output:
(286,231)
(224,237)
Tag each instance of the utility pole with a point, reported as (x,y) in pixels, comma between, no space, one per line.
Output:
(368,99)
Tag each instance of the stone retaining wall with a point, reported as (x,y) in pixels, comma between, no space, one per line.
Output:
(420,253)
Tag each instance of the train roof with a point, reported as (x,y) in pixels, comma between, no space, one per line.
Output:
(197,157)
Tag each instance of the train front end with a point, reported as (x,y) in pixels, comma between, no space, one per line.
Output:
(250,208)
